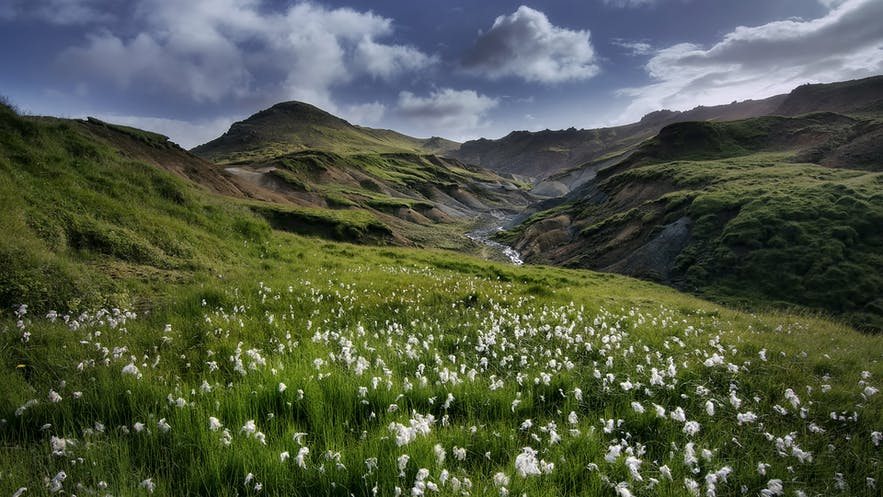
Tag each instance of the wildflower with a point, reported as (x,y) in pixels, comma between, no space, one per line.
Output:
(55,484)
(214,424)
(439,454)
(691,427)
(284,456)
(249,428)
(690,455)
(709,408)
(459,453)
(54,397)
(637,407)
(572,418)
(622,489)
(526,425)
(132,370)
(761,468)
(660,411)
(402,463)
(282,387)
(138,427)
(870,391)
(773,487)
(876,438)
(501,480)
(665,471)
(299,437)
(526,463)
(746,418)
(692,486)
(20,491)
(163,425)
(634,465)
(678,415)
(148,485)
(301,456)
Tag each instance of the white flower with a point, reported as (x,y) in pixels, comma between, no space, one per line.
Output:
(163,425)
(746,418)
(301,457)
(282,387)
(54,397)
(439,454)
(870,391)
(665,471)
(634,465)
(774,487)
(131,369)
(249,428)
(709,408)
(148,485)
(876,437)
(55,484)
(20,491)
(622,489)
(459,453)
(692,486)
(402,463)
(284,456)
(501,480)
(678,415)
(691,428)
(214,424)
(572,418)
(637,407)
(526,463)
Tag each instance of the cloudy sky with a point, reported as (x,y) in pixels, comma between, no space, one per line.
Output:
(458,69)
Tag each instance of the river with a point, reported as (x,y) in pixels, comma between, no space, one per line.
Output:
(486,228)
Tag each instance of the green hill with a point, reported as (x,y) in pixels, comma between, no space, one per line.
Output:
(735,211)
(295,126)
(173,343)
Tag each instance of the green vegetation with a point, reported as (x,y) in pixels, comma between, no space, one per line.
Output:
(157,339)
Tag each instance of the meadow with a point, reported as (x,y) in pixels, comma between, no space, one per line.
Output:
(333,369)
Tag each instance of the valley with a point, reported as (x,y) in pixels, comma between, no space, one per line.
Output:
(307,307)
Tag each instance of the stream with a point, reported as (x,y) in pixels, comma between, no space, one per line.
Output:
(485,230)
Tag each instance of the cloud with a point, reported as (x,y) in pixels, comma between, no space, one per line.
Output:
(754,62)
(526,45)
(634,47)
(185,133)
(60,12)
(445,109)
(209,50)
(365,114)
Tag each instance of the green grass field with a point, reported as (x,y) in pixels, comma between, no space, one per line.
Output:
(156,339)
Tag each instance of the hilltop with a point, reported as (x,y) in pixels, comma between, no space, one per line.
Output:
(296,126)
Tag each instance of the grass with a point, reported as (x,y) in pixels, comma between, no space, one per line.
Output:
(244,360)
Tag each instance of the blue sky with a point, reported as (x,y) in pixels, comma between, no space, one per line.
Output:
(461,70)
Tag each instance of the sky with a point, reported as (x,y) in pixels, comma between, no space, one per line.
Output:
(459,69)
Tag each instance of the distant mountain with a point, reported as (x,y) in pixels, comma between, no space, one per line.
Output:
(548,154)
(295,126)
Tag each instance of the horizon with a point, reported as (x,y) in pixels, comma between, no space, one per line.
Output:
(190,71)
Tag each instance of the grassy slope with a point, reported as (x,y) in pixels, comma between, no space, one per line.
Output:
(366,337)
(764,229)
(86,218)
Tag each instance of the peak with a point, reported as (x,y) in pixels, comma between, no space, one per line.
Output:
(298,111)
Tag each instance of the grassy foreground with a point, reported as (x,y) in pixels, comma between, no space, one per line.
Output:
(331,369)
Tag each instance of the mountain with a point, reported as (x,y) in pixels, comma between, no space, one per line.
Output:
(551,155)
(539,155)
(314,159)
(770,209)
(295,126)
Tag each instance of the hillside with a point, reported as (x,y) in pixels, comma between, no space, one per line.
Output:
(554,155)
(160,339)
(735,211)
(296,126)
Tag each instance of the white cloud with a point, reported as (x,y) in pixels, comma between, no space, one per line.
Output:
(185,133)
(365,114)
(755,62)
(634,47)
(526,45)
(209,50)
(446,110)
